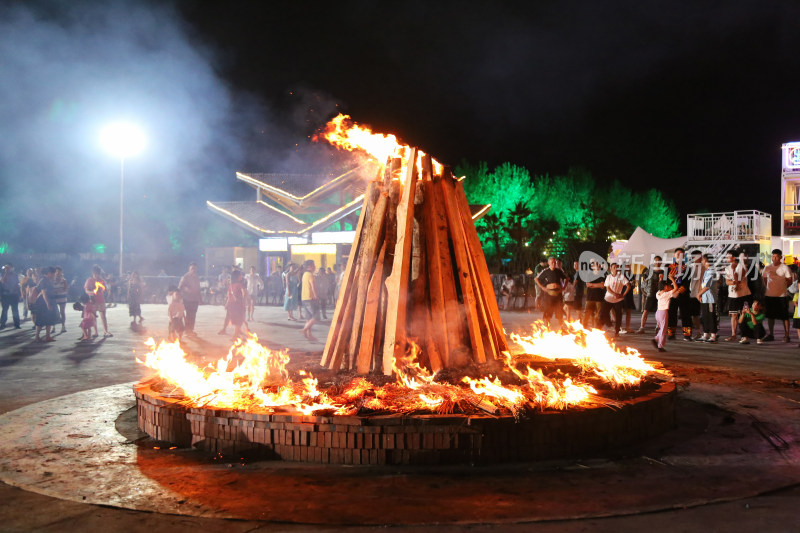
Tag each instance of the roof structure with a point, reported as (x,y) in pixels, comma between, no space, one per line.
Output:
(283,198)
(305,193)
(258,217)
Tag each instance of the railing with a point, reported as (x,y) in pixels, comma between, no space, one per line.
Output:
(734,226)
(791,220)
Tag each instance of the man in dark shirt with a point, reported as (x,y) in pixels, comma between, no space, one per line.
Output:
(551,282)
(595,291)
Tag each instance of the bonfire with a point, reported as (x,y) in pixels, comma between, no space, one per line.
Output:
(416,306)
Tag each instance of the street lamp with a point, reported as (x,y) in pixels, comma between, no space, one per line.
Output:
(122,140)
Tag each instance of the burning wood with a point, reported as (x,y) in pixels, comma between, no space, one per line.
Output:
(416,274)
(416,270)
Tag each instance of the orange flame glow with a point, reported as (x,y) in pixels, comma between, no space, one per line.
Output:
(342,132)
(252,376)
(98,286)
(588,349)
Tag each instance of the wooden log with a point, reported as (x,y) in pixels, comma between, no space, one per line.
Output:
(427,168)
(485,405)
(479,260)
(431,346)
(462,264)
(340,342)
(371,315)
(419,323)
(438,333)
(395,191)
(488,332)
(455,332)
(367,256)
(380,324)
(370,199)
(397,283)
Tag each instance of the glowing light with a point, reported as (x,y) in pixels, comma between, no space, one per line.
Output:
(122,139)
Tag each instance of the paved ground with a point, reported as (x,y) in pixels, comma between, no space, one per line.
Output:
(759,384)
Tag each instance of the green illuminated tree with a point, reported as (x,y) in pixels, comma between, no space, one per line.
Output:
(536,216)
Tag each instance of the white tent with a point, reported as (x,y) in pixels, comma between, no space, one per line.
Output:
(642,246)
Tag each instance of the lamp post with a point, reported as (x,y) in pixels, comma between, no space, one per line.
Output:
(122,140)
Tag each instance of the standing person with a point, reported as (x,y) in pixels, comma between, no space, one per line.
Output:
(61,287)
(595,291)
(24,284)
(47,315)
(96,286)
(738,293)
(628,304)
(796,316)
(29,293)
(290,284)
(111,290)
(680,275)
(543,264)
(655,274)
(777,277)
(706,296)
(580,290)
(177,313)
(236,305)
(507,289)
(551,282)
(321,283)
(617,287)
(332,288)
(223,281)
(309,298)
(663,297)
(135,299)
(191,294)
(254,285)
(695,280)
(10,293)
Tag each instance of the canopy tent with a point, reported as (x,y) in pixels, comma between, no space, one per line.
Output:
(642,246)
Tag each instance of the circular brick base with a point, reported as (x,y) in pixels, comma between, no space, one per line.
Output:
(406,439)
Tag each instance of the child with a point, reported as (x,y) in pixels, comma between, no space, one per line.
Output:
(177,312)
(236,305)
(89,321)
(663,296)
(751,323)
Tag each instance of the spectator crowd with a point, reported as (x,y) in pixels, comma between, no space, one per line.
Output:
(41,294)
(694,292)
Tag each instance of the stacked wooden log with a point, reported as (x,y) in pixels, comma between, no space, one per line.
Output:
(416,273)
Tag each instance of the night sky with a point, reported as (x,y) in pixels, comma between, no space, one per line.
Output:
(691,97)
(694,98)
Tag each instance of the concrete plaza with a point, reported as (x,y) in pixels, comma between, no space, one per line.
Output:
(743,398)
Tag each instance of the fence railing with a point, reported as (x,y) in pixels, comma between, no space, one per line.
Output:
(740,226)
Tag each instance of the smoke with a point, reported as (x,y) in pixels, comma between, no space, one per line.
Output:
(70,68)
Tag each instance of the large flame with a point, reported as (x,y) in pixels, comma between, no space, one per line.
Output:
(252,376)
(588,349)
(343,133)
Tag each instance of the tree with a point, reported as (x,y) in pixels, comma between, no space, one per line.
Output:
(544,214)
